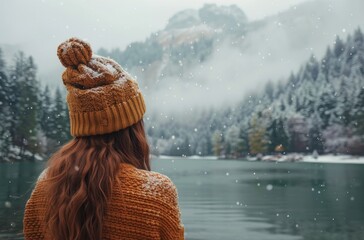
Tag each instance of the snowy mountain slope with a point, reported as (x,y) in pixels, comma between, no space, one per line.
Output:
(318,108)
(216,54)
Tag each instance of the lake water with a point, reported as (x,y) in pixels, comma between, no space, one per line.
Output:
(223,200)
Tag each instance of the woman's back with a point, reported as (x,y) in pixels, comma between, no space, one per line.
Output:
(143,205)
(99,185)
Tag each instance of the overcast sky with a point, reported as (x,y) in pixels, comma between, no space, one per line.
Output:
(39,26)
(33,23)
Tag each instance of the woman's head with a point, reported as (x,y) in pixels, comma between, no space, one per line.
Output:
(106,114)
(102,97)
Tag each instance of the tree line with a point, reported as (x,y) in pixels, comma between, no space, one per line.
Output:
(319,108)
(34,120)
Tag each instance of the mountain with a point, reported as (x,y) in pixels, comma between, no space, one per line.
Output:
(188,39)
(208,20)
(215,56)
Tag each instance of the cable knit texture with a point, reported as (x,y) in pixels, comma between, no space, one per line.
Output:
(102,97)
(144,206)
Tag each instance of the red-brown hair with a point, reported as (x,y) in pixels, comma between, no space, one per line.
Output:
(81,176)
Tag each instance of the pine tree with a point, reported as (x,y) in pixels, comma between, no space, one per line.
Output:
(337,62)
(326,63)
(326,105)
(4,88)
(25,104)
(344,102)
(202,147)
(243,143)
(339,47)
(217,144)
(298,133)
(185,147)
(309,95)
(315,134)
(45,112)
(60,120)
(5,92)
(278,139)
(282,105)
(46,122)
(257,136)
(359,114)
(234,141)
(355,53)
(311,70)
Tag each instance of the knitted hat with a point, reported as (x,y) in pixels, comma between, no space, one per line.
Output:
(102,97)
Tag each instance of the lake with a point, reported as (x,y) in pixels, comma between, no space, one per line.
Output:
(231,199)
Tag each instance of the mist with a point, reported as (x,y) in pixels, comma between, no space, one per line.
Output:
(273,47)
(270,51)
(39,26)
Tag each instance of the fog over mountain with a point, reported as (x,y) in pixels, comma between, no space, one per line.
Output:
(215,55)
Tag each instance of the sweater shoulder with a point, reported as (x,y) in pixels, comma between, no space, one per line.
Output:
(158,181)
(152,184)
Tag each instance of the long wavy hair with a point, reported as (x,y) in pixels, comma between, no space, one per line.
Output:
(80,178)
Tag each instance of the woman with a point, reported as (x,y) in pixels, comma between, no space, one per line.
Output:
(99,185)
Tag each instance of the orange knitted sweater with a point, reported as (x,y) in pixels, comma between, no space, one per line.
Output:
(145,206)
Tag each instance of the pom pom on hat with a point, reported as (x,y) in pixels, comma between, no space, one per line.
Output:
(102,97)
(84,70)
(74,52)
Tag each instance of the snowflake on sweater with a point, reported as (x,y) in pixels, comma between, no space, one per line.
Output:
(155,183)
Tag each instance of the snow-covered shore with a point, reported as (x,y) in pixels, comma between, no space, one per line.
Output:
(327,158)
(293,157)
(335,159)
(188,157)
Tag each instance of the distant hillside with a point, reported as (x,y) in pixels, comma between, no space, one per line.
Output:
(189,38)
(217,55)
(195,70)
(318,108)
